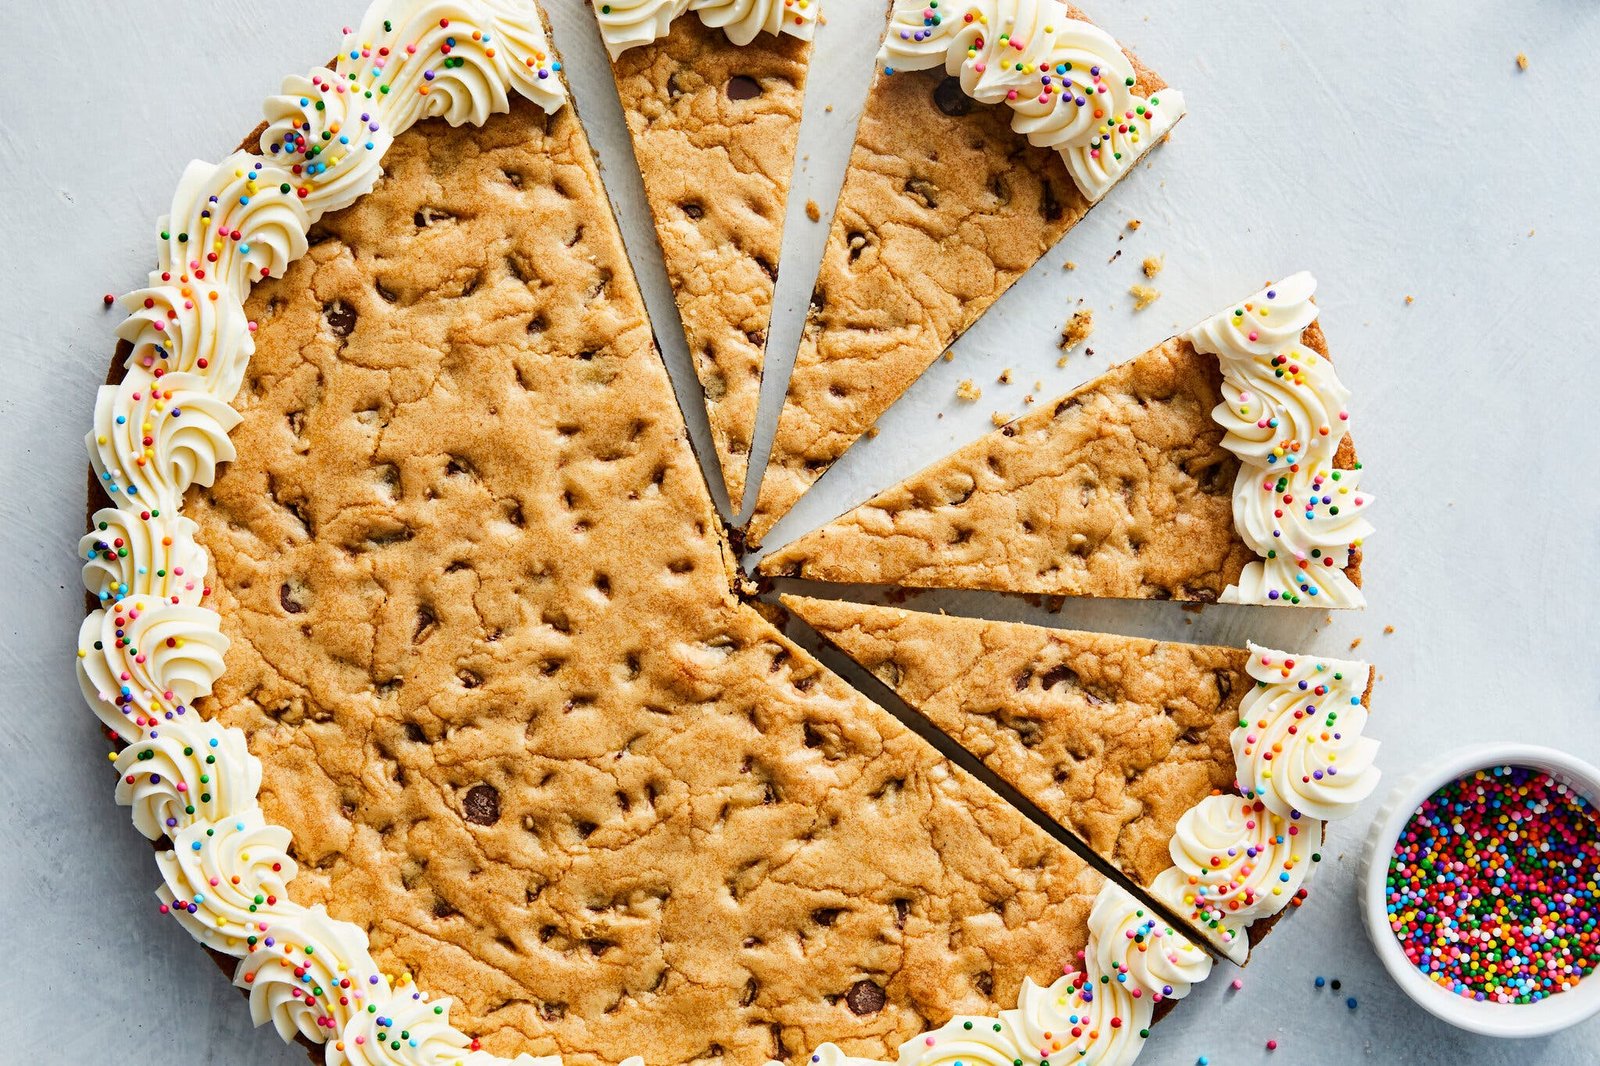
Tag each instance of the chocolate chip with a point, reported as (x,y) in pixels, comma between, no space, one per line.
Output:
(1049,206)
(341,318)
(1059,675)
(694,211)
(286,597)
(743,87)
(865,997)
(482,806)
(949,98)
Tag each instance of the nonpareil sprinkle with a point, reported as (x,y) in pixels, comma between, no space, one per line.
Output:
(1494,886)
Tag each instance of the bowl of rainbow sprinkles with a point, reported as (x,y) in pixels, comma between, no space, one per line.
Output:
(1481,889)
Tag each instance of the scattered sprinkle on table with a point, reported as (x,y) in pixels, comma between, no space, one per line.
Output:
(1494,887)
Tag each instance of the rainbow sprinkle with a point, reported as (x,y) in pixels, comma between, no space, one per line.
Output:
(1494,887)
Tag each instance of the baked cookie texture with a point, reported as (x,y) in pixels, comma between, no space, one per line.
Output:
(1122,488)
(484,644)
(943,207)
(714,129)
(1113,737)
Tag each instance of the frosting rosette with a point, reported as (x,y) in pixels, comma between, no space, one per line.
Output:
(626,24)
(142,658)
(1234,862)
(1132,944)
(308,974)
(154,437)
(128,556)
(188,327)
(187,770)
(232,223)
(1080,1017)
(1285,413)
(224,879)
(1070,86)
(326,131)
(452,59)
(1299,746)
(406,1029)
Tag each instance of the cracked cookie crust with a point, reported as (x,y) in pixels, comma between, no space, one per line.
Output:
(1113,737)
(483,643)
(1122,488)
(714,127)
(944,207)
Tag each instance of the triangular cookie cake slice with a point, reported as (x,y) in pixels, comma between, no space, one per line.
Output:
(1140,484)
(712,91)
(1204,774)
(990,130)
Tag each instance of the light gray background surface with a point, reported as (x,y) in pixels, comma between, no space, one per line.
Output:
(1393,149)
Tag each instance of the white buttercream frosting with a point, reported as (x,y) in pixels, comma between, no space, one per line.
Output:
(1135,945)
(1069,84)
(1234,862)
(1100,1015)
(1299,745)
(1285,413)
(626,24)
(151,648)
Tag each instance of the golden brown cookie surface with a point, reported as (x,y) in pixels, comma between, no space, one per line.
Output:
(714,130)
(1113,737)
(522,732)
(943,208)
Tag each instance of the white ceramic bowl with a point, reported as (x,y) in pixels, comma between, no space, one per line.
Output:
(1490,1019)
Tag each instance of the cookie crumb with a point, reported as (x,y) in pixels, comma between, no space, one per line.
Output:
(1153,265)
(872,432)
(1069,265)
(1387,630)
(1144,296)
(949,355)
(1522,61)
(1134,224)
(966,390)
(1354,644)
(813,212)
(1005,376)
(1077,329)
(1000,418)
(1410,300)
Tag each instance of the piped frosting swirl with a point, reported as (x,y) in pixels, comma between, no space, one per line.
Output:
(1299,746)
(1069,84)
(152,648)
(1285,413)
(1234,862)
(626,24)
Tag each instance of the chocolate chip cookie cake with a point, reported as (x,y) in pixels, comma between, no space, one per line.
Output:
(430,669)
